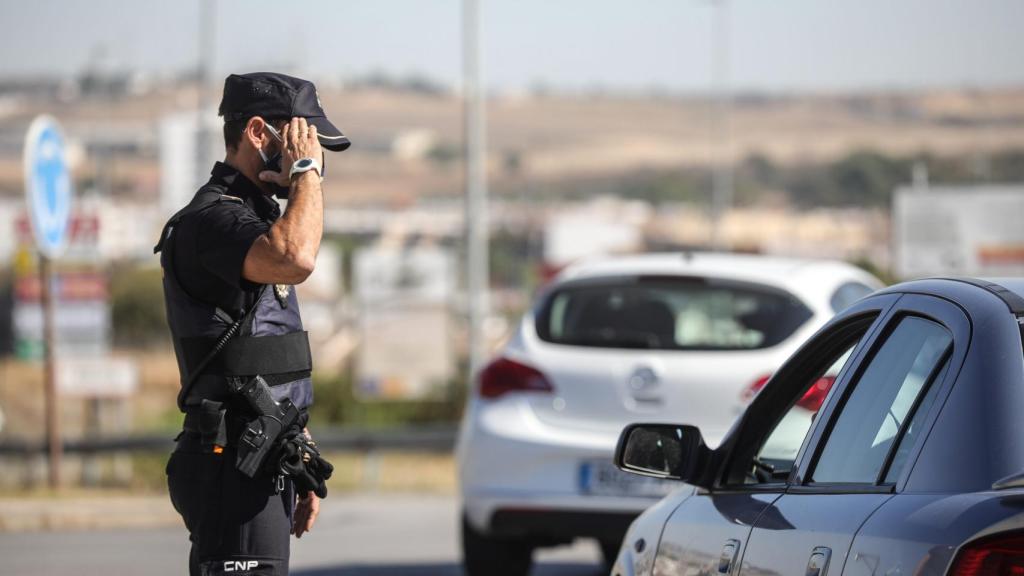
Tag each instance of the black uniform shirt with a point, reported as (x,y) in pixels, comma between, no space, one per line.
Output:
(212,245)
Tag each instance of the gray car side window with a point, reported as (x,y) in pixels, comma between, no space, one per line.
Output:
(906,442)
(885,395)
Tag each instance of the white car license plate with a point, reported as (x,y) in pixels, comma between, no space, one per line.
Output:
(602,478)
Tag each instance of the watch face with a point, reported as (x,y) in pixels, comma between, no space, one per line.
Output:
(305,162)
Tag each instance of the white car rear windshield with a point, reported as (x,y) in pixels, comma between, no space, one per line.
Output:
(669,313)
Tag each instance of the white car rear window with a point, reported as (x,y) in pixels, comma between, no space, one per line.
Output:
(669,313)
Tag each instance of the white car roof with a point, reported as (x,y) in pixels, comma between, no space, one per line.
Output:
(811,280)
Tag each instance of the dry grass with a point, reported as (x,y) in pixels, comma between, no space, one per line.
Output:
(393,472)
(153,408)
(386,471)
(22,400)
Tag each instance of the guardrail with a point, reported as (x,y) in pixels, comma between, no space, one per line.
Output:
(432,438)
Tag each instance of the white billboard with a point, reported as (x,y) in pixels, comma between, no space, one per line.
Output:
(102,376)
(958,231)
(405,296)
(405,353)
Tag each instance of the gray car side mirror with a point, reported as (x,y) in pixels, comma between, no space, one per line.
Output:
(669,451)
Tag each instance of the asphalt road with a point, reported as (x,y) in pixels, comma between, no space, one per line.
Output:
(371,535)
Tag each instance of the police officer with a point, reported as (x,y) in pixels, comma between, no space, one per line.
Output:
(230,260)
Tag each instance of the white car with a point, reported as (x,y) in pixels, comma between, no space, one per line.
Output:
(676,337)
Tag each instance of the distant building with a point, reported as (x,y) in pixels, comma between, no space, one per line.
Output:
(189,143)
(958,230)
(603,226)
(413,144)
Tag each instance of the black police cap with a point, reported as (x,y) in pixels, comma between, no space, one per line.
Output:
(271,95)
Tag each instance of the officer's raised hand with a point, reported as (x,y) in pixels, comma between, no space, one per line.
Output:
(298,141)
(287,252)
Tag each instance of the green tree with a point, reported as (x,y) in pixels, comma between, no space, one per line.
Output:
(137,307)
(868,178)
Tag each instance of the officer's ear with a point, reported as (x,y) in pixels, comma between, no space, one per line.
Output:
(255,132)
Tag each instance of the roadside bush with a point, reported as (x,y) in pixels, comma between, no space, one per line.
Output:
(137,307)
(335,402)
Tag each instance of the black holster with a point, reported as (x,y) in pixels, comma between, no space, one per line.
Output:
(272,423)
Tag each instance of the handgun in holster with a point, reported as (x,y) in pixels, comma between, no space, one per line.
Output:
(261,436)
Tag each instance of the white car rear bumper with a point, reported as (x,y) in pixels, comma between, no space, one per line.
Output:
(513,466)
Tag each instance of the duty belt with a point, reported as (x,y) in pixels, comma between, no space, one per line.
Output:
(194,426)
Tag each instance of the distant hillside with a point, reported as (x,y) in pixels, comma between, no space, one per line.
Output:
(537,141)
(407,142)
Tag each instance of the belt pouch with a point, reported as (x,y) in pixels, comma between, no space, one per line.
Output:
(212,428)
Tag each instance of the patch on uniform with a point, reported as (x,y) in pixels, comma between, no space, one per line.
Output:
(281,292)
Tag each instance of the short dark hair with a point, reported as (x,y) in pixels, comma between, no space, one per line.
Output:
(233,130)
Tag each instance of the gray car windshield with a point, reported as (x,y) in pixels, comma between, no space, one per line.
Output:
(669,313)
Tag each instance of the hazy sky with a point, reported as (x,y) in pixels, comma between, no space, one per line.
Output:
(635,44)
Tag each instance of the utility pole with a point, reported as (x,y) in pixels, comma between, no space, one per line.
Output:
(205,86)
(476,239)
(722,179)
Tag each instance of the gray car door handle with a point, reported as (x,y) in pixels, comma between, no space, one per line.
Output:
(818,564)
(728,557)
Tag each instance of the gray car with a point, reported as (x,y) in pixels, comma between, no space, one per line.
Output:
(914,464)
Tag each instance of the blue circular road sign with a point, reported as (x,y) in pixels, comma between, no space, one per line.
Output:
(47,185)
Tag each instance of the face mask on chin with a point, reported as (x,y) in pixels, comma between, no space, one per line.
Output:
(273,164)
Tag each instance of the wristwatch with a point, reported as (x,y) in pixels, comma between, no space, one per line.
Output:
(305,165)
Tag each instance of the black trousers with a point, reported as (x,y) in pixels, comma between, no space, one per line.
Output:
(237,525)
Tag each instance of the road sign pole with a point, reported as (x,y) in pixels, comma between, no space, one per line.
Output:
(53,438)
(48,195)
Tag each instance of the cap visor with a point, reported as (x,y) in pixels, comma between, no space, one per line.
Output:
(329,135)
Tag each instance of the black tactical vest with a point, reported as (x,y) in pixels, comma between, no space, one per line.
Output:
(273,344)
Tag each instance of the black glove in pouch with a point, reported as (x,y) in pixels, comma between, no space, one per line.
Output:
(301,461)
